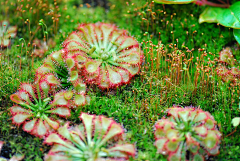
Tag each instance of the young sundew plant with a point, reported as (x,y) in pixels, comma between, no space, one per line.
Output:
(187,134)
(227,68)
(98,139)
(6,33)
(106,55)
(37,108)
(63,68)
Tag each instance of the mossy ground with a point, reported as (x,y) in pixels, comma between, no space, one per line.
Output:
(140,104)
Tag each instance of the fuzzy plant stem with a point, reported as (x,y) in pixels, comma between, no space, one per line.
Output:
(205,2)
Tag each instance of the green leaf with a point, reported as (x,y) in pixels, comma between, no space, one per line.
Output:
(236,33)
(210,15)
(236,121)
(198,157)
(174,1)
(230,17)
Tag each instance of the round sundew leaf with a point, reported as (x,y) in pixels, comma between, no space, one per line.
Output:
(211,140)
(41,129)
(79,100)
(130,68)
(133,58)
(6,42)
(52,79)
(54,138)
(125,148)
(201,130)
(172,133)
(114,130)
(198,157)
(236,33)
(210,15)
(70,63)
(174,157)
(73,75)
(60,100)
(106,30)
(201,116)
(193,148)
(57,56)
(28,88)
(127,42)
(81,59)
(68,95)
(172,145)
(80,88)
(88,122)
(53,124)
(56,157)
(214,151)
(18,109)
(28,126)
(184,115)
(230,17)
(160,144)
(113,76)
(236,121)
(209,124)
(92,67)
(45,87)
(104,83)
(44,69)
(20,118)
(15,98)
(61,111)
(159,133)
(124,74)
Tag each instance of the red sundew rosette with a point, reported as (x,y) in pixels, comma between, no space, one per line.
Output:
(187,129)
(62,67)
(74,142)
(7,32)
(34,108)
(106,55)
(226,56)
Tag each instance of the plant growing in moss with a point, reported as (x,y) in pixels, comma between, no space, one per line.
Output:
(187,130)
(106,55)
(64,69)
(37,109)
(227,69)
(6,33)
(42,46)
(14,158)
(97,140)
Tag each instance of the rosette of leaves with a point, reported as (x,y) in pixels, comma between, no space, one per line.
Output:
(187,134)
(6,33)
(17,157)
(227,69)
(36,107)
(98,139)
(106,55)
(228,17)
(63,68)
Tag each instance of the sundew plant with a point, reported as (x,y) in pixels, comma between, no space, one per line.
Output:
(119,80)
